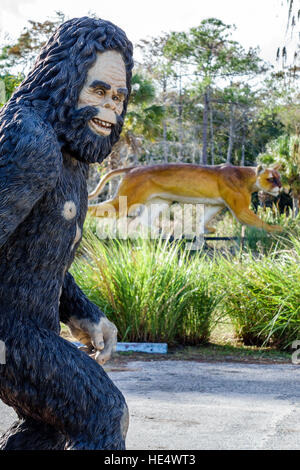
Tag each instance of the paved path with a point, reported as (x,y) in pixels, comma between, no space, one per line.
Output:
(190,405)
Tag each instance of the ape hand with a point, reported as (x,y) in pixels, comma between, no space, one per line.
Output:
(100,338)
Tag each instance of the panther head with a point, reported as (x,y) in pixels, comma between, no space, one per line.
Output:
(268,180)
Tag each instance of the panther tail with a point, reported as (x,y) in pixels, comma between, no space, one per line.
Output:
(106,178)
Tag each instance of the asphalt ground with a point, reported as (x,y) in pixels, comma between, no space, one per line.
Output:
(187,405)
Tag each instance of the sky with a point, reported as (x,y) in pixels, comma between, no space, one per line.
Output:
(259,22)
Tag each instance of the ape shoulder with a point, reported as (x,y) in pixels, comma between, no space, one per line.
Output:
(30,164)
(28,144)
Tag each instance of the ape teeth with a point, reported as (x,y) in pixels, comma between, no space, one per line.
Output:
(101,123)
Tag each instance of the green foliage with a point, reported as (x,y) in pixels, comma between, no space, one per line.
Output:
(151,291)
(258,240)
(155,61)
(209,54)
(25,49)
(262,296)
(10,83)
(266,126)
(212,51)
(22,53)
(143,116)
(143,90)
(285,152)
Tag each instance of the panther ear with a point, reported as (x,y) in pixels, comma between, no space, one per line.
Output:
(259,170)
(277,166)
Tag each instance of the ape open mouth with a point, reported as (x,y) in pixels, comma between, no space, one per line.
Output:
(103,125)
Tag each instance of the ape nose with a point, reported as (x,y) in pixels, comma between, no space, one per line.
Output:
(110,104)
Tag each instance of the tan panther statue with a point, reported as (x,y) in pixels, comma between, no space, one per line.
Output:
(214,186)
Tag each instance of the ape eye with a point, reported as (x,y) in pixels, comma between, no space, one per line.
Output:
(100,92)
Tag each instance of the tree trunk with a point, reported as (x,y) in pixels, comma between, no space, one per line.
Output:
(295,198)
(205,126)
(231,134)
(165,144)
(243,149)
(243,139)
(180,114)
(212,145)
(243,154)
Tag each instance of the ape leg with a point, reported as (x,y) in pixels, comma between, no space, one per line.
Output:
(31,435)
(52,383)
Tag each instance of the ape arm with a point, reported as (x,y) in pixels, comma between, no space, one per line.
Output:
(30,160)
(86,321)
(74,303)
(30,164)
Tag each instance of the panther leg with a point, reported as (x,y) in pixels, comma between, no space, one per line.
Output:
(209,213)
(246,216)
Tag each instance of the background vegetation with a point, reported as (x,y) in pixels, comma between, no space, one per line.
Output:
(160,291)
(198,97)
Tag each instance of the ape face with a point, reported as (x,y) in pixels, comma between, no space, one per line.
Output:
(105,89)
(95,124)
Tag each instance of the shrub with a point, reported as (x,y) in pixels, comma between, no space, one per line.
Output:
(152,291)
(262,296)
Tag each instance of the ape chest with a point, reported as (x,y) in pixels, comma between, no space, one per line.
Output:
(66,207)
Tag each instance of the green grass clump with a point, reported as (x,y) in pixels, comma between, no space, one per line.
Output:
(262,296)
(156,291)
(151,290)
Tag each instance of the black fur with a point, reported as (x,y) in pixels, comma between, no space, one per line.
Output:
(63,398)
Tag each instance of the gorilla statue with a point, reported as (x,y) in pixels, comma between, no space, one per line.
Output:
(67,114)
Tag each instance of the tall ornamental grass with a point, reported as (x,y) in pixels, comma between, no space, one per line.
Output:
(151,290)
(262,296)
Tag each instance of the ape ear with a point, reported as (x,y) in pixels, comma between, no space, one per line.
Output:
(259,170)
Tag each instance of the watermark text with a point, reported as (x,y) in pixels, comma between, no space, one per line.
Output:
(296,354)
(151,221)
